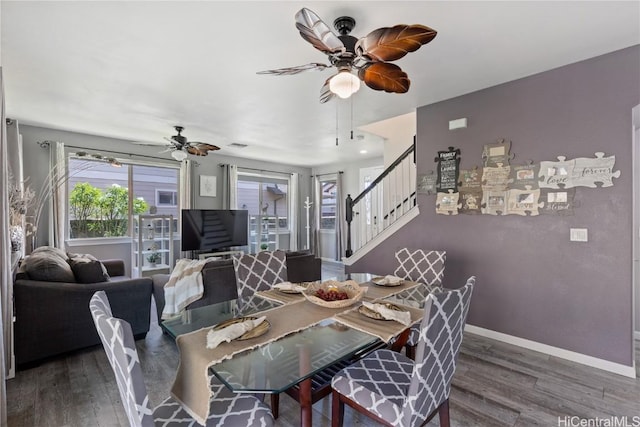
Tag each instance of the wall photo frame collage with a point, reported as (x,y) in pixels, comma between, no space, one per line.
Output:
(531,189)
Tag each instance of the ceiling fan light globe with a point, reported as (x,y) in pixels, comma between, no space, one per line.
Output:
(179,155)
(344,84)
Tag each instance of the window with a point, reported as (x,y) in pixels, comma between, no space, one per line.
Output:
(328,205)
(266,197)
(100,203)
(166,198)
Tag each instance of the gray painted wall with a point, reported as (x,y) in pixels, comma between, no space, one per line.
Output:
(533,282)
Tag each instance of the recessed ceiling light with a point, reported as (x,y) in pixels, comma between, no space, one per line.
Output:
(363,151)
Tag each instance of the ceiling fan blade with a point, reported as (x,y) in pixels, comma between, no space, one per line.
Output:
(201,148)
(391,43)
(153,144)
(316,32)
(325,93)
(287,71)
(168,149)
(175,143)
(385,76)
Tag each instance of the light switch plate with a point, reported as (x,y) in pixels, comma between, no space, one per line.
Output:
(578,235)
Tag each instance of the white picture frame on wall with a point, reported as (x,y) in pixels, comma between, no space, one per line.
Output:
(207,186)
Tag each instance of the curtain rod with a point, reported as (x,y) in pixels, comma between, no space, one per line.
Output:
(328,173)
(254,169)
(114,152)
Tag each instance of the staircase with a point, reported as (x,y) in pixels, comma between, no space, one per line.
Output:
(382,208)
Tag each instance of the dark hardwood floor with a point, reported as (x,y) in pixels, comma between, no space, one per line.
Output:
(496,384)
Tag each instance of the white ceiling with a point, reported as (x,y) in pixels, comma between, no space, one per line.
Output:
(132,70)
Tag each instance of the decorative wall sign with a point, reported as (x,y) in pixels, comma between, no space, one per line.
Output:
(496,154)
(447,203)
(556,174)
(523,176)
(495,179)
(494,202)
(448,166)
(470,189)
(207,186)
(470,179)
(426,183)
(558,202)
(528,190)
(523,202)
(470,201)
(587,172)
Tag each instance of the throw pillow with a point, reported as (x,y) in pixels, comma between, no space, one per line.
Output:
(87,269)
(48,266)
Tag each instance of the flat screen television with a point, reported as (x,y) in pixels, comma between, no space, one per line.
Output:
(214,229)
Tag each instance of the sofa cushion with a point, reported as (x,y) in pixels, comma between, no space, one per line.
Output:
(48,266)
(51,251)
(87,269)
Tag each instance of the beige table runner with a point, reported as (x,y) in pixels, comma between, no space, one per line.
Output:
(191,385)
(283,297)
(376,292)
(383,329)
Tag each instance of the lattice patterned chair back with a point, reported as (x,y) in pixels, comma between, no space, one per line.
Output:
(259,272)
(117,340)
(421,266)
(437,353)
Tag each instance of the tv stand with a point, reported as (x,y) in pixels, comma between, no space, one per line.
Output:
(225,254)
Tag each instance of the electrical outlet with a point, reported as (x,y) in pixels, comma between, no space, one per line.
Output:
(578,235)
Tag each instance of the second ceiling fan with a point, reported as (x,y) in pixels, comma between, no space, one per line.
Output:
(367,56)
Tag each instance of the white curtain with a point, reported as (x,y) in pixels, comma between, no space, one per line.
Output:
(58,167)
(294,210)
(230,187)
(186,184)
(5,263)
(340,217)
(315,218)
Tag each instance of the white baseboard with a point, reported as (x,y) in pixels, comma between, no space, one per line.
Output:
(616,368)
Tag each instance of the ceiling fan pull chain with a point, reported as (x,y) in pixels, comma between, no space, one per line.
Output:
(337,128)
(352,118)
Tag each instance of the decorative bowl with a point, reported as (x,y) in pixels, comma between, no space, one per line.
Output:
(350,287)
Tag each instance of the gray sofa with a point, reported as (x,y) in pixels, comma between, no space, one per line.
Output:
(52,317)
(219,278)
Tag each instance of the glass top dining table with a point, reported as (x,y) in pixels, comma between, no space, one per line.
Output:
(286,362)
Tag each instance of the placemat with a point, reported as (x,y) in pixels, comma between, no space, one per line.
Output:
(276,295)
(375,292)
(383,329)
(191,385)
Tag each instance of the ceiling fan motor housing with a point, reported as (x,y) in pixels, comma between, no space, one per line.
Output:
(344,25)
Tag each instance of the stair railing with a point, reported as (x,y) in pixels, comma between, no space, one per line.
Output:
(385,200)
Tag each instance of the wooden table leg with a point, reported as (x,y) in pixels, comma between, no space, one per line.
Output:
(401,340)
(304,396)
(306,409)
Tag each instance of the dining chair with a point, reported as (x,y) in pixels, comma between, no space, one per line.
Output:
(397,391)
(258,272)
(426,268)
(226,408)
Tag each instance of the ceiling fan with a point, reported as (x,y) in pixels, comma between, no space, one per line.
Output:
(367,57)
(180,146)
